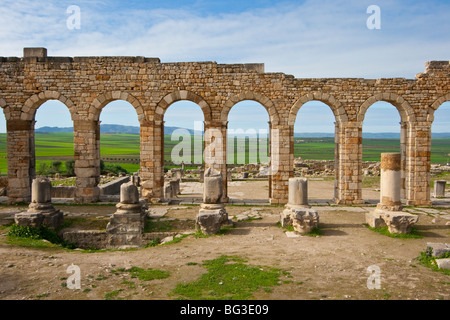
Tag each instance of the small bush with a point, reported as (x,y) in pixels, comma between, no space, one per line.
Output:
(42,233)
(70,167)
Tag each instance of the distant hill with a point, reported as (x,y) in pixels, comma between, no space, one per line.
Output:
(116,128)
(108,128)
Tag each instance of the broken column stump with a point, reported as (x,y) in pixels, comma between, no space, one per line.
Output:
(439,188)
(298,212)
(126,225)
(389,210)
(212,214)
(40,211)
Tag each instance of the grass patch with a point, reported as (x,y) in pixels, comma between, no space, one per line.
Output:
(414,234)
(25,236)
(229,278)
(426,259)
(149,274)
(113,295)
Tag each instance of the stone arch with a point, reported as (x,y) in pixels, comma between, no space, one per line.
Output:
(5,108)
(335,105)
(266,103)
(436,105)
(406,111)
(35,101)
(180,95)
(103,99)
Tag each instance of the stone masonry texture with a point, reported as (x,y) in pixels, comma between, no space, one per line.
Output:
(87,84)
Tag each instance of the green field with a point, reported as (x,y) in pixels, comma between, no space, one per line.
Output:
(59,146)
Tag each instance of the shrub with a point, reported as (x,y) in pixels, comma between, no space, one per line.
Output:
(42,233)
(70,167)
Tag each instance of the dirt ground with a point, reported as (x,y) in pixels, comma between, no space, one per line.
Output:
(331,266)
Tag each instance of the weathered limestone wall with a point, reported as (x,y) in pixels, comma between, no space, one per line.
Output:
(86,84)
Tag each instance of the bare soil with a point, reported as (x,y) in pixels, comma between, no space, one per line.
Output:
(331,266)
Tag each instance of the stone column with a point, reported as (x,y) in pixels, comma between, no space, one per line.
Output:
(41,211)
(21,159)
(336,161)
(403,147)
(215,155)
(212,214)
(388,211)
(439,188)
(350,164)
(152,162)
(298,212)
(390,182)
(282,163)
(87,160)
(127,224)
(298,192)
(418,191)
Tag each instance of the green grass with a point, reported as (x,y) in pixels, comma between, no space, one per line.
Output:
(426,259)
(229,278)
(414,233)
(59,146)
(30,237)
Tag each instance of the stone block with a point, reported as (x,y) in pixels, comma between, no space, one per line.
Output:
(443,263)
(34,52)
(29,219)
(438,249)
(374,219)
(210,221)
(304,220)
(439,188)
(398,221)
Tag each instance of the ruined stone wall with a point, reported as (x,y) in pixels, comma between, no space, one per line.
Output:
(86,84)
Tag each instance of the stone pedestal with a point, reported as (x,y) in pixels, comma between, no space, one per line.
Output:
(212,214)
(126,225)
(211,218)
(40,211)
(439,188)
(298,212)
(396,221)
(304,220)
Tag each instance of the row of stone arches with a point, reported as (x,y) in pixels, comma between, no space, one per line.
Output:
(406,112)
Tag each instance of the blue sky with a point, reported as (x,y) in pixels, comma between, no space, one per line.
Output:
(308,39)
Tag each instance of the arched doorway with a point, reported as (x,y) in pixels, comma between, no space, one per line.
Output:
(182,150)
(53,143)
(440,151)
(315,150)
(248,152)
(381,132)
